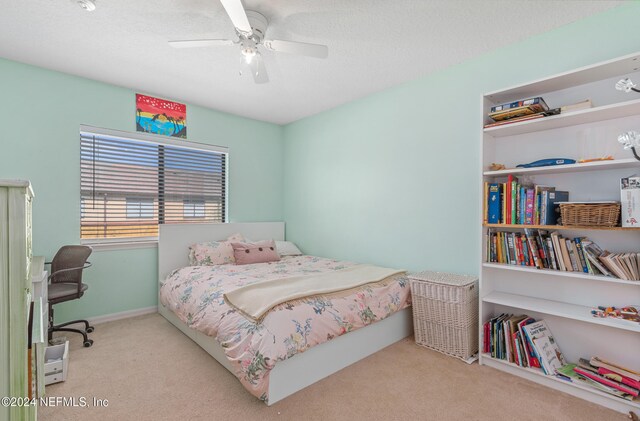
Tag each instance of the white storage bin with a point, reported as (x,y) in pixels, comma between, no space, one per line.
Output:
(445,313)
(56,361)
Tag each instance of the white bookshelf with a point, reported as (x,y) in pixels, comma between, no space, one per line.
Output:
(565,299)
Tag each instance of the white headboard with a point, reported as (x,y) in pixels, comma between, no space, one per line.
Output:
(175,239)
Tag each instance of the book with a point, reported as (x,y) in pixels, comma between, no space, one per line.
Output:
(529,207)
(618,377)
(519,103)
(552,211)
(515,120)
(486,336)
(518,108)
(494,207)
(485,202)
(533,247)
(544,200)
(503,202)
(568,373)
(536,331)
(592,256)
(530,357)
(552,254)
(627,372)
(571,248)
(593,375)
(612,265)
(565,255)
(494,322)
(523,205)
(542,246)
(538,201)
(512,255)
(514,200)
(630,201)
(578,244)
(547,352)
(555,237)
(512,328)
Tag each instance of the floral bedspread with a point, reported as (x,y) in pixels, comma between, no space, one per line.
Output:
(195,295)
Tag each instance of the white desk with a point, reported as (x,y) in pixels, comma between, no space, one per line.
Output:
(41,328)
(39,287)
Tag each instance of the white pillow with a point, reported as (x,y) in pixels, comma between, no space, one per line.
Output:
(287,248)
(284,248)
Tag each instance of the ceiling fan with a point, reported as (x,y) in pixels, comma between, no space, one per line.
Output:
(251,27)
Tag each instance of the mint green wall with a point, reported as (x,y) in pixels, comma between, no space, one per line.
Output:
(393,178)
(389,179)
(42,111)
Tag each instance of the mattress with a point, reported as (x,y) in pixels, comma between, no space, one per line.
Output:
(195,295)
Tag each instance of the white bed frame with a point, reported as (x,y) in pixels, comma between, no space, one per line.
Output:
(301,370)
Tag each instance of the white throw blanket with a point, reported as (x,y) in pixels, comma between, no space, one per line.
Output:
(255,300)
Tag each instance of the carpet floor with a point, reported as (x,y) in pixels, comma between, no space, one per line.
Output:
(148,370)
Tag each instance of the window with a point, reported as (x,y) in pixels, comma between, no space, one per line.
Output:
(140,208)
(131,183)
(193,208)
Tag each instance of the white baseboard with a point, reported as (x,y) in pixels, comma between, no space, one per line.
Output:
(122,315)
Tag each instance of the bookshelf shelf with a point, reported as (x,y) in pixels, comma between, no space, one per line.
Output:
(562,169)
(562,227)
(561,384)
(575,275)
(559,309)
(605,112)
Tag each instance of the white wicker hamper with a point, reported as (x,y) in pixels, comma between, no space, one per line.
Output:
(445,313)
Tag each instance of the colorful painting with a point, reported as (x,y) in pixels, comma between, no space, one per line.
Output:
(159,116)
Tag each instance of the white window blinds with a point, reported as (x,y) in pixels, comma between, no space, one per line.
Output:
(130,185)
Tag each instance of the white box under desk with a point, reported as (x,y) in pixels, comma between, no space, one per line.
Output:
(55,371)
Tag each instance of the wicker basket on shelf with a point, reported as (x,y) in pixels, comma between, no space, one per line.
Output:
(590,214)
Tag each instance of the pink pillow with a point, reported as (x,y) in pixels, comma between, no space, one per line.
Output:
(260,252)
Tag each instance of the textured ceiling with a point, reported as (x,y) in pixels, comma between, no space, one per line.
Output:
(373,44)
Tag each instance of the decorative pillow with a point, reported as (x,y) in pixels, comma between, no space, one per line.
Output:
(213,252)
(287,248)
(260,252)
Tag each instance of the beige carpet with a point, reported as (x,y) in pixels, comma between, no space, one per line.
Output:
(148,370)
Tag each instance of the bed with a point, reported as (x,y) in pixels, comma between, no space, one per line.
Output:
(297,369)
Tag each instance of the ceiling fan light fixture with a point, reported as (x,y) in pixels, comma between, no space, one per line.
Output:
(87,5)
(248,53)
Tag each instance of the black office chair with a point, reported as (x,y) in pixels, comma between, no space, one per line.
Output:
(65,284)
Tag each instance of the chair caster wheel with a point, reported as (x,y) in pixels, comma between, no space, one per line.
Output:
(89,329)
(88,343)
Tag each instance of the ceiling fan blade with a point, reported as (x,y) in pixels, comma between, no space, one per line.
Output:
(236,13)
(258,70)
(194,43)
(301,48)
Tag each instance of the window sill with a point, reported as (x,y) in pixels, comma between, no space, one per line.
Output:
(121,245)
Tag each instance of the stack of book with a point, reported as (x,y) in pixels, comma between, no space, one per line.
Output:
(521,110)
(523,341)
(603,375)
(515,203)
(544,250)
